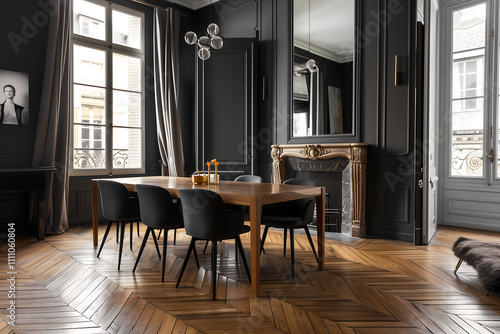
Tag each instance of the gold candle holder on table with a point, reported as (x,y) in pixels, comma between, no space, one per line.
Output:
(200,178)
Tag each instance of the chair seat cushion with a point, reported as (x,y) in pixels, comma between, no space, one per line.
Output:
(283,221)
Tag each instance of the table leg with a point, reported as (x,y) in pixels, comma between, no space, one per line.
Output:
(255,211)
(95,212)
(320,221)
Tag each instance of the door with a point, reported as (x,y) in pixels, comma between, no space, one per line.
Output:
(225,117)
(394,151)
(471,189)
(431,77)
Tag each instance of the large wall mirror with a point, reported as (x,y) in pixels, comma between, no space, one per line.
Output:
(324,72)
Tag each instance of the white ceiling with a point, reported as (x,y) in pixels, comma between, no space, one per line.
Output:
(329,29)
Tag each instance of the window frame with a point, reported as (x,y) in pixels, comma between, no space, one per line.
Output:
(110,49)
(448,63)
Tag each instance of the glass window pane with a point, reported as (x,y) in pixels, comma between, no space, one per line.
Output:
(469,28)
(471,66)
(89,152)
(127,29)
(89,66)
(127,148)
(126,73)
(467,138)
(89,19)
(126,109)
(89,105)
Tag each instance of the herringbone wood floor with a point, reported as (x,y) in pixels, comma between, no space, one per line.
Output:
(369,286)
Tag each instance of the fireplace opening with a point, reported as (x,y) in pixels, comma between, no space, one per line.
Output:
(333,197)
(333,174)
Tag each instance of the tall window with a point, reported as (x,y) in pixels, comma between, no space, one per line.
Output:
(467,90)
(108,89)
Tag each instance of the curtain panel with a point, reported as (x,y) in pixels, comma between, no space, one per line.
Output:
(52,136)
(166,81)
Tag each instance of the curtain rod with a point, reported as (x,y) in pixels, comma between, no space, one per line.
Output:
(154,6)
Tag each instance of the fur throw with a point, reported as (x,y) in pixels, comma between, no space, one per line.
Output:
(482,256)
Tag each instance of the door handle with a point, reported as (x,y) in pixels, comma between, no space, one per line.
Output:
(492,155)
(395,70)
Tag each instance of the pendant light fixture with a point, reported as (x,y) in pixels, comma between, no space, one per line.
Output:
(206,42)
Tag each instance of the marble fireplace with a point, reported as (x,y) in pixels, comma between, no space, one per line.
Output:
(347,161)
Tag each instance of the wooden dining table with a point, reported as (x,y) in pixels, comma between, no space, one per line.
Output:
(253,195)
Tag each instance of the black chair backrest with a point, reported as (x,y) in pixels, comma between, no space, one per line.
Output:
(249,178)
(205,216)
(299,208)
(157,207)
(304,206)
(115,200)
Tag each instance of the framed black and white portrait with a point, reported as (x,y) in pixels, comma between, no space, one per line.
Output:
(14,98)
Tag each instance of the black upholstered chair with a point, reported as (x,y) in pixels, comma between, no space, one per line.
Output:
(206,218)
(241,178)
(249,178)
(290,215)
(119,207)
(158,212)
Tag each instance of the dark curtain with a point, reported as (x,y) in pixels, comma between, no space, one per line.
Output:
(51,144)
(166,78)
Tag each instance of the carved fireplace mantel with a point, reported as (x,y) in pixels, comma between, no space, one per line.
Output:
(356,153)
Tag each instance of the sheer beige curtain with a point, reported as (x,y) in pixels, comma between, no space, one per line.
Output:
(51,144)
(166,79)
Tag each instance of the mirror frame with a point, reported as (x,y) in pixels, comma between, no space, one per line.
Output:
(354,136)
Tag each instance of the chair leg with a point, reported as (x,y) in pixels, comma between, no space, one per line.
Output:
(131,233)
(292,251)
(196,257)
(122,237)
(164,256)
(138,229)
(456,267)
(118,232)
(105,236)
(311,242)
(146,236)
(235,251)
(264,235)
(205,249)
(243,257)
(284,245)
(214,268)
(186,259)
(159,234)
(175,235)
(156,242)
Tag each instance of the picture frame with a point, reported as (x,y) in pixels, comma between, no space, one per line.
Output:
(14,104)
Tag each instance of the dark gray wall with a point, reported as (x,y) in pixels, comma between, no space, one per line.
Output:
(387,114)
(24,30)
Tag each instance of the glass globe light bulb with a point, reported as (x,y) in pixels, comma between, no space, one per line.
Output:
(213,29)
(190,38)
(216,42)
(204,54)
(204,42)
